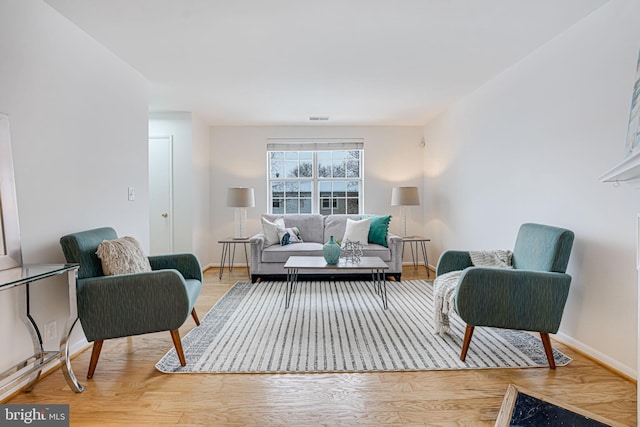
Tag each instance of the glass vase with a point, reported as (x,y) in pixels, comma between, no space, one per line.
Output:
(331,251)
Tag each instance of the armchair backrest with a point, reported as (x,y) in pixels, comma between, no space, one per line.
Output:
(81,248)
(542,248)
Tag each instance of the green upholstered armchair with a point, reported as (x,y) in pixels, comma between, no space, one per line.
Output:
(530,297)
(131,304)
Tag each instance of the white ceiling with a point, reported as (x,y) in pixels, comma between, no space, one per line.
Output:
(359,62)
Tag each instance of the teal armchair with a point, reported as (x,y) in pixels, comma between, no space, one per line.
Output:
(530,297)
(131,304)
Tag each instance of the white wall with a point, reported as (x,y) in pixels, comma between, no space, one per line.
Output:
(393,156)
(191,195)
(78,119)
(530,145)
(201,153)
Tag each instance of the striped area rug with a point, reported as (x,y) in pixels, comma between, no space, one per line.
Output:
(341,327)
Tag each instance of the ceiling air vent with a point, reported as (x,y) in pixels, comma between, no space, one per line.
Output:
(318,118)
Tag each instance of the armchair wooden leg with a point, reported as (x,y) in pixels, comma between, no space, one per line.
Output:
(468,333)
(546,341)
(195,316)
(95,355)
(175,336)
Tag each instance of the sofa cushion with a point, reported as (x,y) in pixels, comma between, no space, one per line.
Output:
(335,225)
(311,226)
(281,254)
(377,250)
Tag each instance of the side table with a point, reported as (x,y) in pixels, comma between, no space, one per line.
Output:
(229,253)
(416,242)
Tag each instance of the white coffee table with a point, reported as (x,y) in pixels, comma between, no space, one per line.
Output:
(377,267)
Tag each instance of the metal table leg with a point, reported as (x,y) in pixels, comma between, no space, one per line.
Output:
(292,280)
(233,258)
(223,257)
(246,260)
(415,254)
(36,338)
(67,371)
(424,257)
(380,285)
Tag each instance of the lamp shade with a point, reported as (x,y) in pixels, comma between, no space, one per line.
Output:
(405,196)
(240,197)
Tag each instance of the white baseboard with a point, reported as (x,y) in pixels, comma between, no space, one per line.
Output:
(217,265)
(597,356)
(420,265)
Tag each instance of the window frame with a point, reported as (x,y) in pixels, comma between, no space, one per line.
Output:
(317,201)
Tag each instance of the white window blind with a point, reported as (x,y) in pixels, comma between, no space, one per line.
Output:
(314,144)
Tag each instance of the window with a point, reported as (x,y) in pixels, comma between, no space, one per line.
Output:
(315,177)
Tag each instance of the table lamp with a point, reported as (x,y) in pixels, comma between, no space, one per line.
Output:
(403,197)
(240,198)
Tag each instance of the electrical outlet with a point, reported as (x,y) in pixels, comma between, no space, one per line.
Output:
(132,194)
(50,331)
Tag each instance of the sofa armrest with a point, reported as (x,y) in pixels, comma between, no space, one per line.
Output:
(393,239)
(453,261)
(257,246)
(511,298)
(257,239)
(394,243)
(132,304)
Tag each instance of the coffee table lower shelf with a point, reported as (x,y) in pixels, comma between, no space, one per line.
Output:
(377,267)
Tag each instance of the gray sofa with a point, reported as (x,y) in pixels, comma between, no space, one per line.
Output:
(268,262)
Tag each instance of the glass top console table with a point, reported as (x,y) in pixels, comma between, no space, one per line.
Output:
(31,367)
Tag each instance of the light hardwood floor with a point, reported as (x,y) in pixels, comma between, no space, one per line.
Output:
(128,390)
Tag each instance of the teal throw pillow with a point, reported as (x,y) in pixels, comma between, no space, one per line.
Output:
(379,229)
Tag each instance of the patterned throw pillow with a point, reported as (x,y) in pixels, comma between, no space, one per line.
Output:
(289,235)
(122,256)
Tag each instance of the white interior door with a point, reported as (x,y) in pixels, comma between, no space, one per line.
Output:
(161,194)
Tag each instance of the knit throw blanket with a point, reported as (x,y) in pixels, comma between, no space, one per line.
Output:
(444,287)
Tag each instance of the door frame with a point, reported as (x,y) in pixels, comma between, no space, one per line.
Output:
(171,184)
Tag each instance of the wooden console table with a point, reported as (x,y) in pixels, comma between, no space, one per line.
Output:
(31,367)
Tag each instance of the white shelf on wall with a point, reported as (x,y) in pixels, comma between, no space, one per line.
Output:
(626,171)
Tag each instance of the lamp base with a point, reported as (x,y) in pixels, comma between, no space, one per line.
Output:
(240,221)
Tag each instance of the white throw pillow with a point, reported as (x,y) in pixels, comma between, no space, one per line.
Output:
(357,231)
(271,230)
